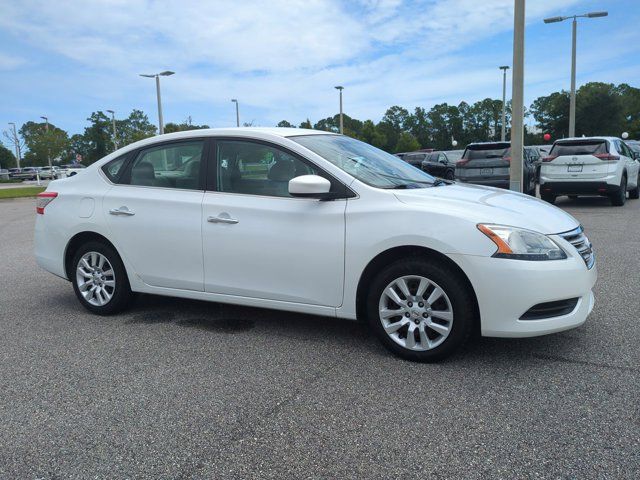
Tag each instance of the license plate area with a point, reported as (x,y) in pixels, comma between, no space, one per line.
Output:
(486,172)
(574,168)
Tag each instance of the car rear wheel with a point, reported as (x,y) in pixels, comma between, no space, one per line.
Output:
(449,175)
(635,193)
(420,310)
(619,198)
(99,279)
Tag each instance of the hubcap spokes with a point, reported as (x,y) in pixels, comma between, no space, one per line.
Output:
(416,313)
(96,279)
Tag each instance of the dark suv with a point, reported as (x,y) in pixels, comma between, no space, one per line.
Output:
(489,164)
(442,164)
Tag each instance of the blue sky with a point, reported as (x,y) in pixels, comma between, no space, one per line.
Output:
(281,59)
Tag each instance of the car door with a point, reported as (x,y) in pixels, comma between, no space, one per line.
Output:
(260,242)
(154,212)
(631,163)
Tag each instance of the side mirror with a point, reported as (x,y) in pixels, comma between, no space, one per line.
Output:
(310,186)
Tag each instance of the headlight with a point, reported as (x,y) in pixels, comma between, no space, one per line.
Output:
(520,244)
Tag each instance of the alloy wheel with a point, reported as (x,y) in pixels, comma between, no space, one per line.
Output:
(416,313)
(95,278)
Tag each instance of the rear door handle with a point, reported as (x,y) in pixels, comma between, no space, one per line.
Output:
(222,218)
(121,211)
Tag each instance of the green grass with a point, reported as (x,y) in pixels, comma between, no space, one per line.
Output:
(20,192)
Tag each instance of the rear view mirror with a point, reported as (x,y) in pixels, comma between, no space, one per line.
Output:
(310,186)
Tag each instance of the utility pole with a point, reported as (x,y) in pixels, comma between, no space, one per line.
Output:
(16,143)
(46,119)
(503,133)
(113,124)
(517,98)
(340,88)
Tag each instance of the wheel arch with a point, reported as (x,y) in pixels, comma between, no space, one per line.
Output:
(397,253)
(77,241)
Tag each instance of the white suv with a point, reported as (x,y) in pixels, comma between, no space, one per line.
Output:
(316,223)
(590,166)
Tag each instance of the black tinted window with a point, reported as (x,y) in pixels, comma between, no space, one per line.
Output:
(113,169)
(485,151)
(581,147)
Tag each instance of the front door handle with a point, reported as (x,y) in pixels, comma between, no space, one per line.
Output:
(121,211)
(222,218)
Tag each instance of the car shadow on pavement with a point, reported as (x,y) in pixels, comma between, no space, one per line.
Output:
(586,202)
(220,318)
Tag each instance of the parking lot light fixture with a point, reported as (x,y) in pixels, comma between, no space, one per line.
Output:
(113,124)
(572,97)
(157,76)
(503,133)
(235,100)
(340,88)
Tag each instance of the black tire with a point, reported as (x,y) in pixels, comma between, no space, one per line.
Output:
(548,197)
(121,296)
(619,198)
(635,193)
(449,175)
(456,289)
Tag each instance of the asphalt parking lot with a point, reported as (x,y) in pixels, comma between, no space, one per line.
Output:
(186,389)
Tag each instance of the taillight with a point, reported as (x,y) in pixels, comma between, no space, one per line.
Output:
(44,199)
(607,156)
(550,158)
(460,163)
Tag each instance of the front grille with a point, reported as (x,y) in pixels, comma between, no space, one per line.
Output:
(550,309)
(579,240)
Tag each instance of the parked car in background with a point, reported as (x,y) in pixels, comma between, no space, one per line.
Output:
(442,164)
(70,169)
(27,173)
(401,155)
(4,174)
(489,164)
(590,166)
(328,225)
(415,158)
(50,173)
(14,172)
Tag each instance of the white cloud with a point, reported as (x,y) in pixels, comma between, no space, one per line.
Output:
(280,57)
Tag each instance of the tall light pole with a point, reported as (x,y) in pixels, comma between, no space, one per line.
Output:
(235,100)
(46,119)
(572,98)
(16,143)
(157,76)
(517,98)
(503,133)
(340,88)
(113,124)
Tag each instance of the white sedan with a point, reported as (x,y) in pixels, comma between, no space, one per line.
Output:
(317,223)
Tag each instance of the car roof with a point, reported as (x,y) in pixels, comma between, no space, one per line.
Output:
(500,144)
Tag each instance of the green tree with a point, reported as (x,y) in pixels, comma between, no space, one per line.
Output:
(7,158)
(372,135)
(599,110)
(551,113)
(137,127)
(284,123)
(182,127)
(43,144)
(407,143)
(306,124)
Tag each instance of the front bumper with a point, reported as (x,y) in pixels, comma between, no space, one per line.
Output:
(507,288)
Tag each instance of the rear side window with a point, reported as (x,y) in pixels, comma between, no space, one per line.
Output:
(474,152)
(580,147)
(113,169)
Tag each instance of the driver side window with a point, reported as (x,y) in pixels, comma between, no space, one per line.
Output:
(257,169)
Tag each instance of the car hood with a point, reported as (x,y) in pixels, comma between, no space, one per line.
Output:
(491,205)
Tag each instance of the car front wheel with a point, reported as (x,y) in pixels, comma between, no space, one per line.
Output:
(99,279)
(420,310)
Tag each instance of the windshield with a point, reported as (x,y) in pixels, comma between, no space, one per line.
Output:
(368,164)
